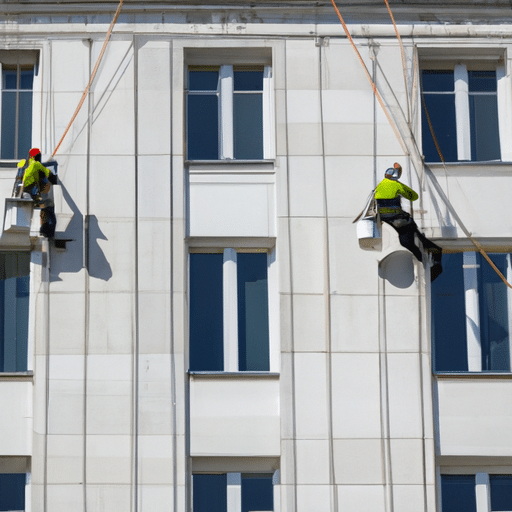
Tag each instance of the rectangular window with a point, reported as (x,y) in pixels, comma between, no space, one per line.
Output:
(460,106)
(472,314)
(17,82)
(229,325)
(12,492)
(224,492)
(14,304)
(459,493)
(226,114)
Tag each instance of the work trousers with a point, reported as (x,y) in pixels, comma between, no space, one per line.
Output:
(407,229)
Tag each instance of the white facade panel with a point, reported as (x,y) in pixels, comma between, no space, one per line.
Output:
(234,416)
(18,424)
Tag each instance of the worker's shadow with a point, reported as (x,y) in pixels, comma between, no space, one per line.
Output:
(79,255)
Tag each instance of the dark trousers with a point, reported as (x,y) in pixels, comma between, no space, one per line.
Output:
(48,222)
(407,229)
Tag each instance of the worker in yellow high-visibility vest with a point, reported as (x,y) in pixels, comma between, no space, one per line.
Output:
(388,194)
(36,176)
(36,181)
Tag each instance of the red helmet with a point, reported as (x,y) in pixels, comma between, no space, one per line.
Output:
(33,152)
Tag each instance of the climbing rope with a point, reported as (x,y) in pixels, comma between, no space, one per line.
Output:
(475,242)
(93,74)
(372,83)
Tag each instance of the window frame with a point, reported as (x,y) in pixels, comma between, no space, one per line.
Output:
(234,484)
(230,306)
(225,94)
(21,58)
(482,477)
(472,306)
(30,320)
(460,60)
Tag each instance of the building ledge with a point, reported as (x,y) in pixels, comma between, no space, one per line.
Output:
(204,374)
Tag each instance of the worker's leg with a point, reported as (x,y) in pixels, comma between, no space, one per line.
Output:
(406,237)
(406,228)
(48,222)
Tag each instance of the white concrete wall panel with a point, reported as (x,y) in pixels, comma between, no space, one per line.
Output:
(155,395)
(311,402)
(312,462)
(67,327)
(356,395)
(358,461)
(307,254)
(313,497)
(310,313)
(116,335)
(109,459)
(111,259)
(242,205)
(154,97)
(344,254)
(234,417)
(65,459)
(363,498)
(354,323)
(62,497)
(404,391)
(474,417)
(409,497)
(344,174)
(16,426)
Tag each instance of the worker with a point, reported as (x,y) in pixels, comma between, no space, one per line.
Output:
(36,182)
(388,194)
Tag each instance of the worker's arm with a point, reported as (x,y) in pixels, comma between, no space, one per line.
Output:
(407,192)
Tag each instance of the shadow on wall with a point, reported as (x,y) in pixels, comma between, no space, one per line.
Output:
(398,269)
(81,255)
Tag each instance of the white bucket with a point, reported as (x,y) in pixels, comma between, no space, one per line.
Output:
(369,234)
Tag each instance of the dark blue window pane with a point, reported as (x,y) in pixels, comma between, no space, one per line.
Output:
(257,493)
(458,493)
(9,79)
(253,338)
(494,331)
(437,80)
(25,124)
(8,125)
(485,139)
(206,325)
(248,81)
(441,109)
(501,492)
(12,491)
(203,80)
(202,127)
(448,317)
(26,78)
(210,493)
(482,81)
(248,126)
(14,303)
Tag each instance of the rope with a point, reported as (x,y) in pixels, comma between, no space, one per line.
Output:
(372,83)
(400,138)
(93,75)
(404,62)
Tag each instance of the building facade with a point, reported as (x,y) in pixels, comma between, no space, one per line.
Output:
(206,332)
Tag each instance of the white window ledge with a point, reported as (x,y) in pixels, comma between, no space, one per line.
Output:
(249,374)
(21,376)
(472,375)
